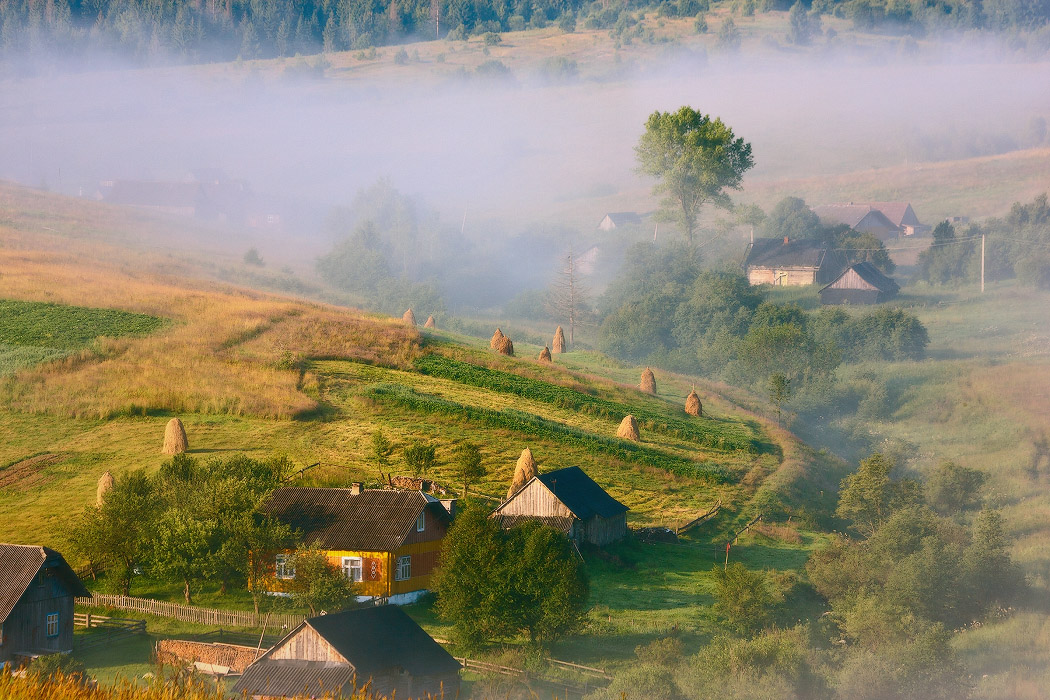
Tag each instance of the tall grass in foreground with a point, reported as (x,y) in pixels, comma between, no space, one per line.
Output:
(61,687)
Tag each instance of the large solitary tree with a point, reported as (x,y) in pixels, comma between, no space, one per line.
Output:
(695,159)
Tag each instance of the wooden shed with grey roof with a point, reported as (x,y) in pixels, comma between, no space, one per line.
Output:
(862,283)
(570,501)
(37,592)
(332,655)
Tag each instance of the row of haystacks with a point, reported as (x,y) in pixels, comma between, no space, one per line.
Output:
(409,319)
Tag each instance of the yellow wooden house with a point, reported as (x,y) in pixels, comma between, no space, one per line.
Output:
(386,541)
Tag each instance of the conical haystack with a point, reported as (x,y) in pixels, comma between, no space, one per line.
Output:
(174,438)
(105,485)
(692,404)
(524,470)
(409,318)
(558,346)
(429,323)
(496,337)
(628,429)
(648,383)
(545,354)
(505,346)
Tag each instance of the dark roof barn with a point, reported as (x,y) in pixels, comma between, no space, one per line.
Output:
(788,262)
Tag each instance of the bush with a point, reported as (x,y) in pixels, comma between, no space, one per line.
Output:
(492,39)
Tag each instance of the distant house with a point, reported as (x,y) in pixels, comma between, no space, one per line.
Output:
(862,283)
(225,200)
(385,540)
(615,219)
(902,216)
(37,590)
(789,263)
(332,655)
(570,501)
(859,217)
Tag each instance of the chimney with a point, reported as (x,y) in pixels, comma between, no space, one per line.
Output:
(785,240)
(355,488)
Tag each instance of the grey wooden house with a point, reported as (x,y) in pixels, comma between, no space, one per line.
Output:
(570,501)
(329,655)
(862,283)
(37,591)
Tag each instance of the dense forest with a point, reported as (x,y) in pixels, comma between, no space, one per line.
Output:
(217,30)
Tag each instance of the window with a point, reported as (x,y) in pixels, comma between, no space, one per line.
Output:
(420,522)
(404,569)
(52,624)
(284,567)
(352,568)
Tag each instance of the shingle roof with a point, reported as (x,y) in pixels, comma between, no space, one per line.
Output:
(19,564)
(896,212)
(375,520)
(581,494)
(774,252)
(870,274)
(291,678)
(383,637)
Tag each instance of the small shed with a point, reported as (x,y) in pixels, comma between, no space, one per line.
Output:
(37,592)
(862,283)
(334,654)
(789,263)
(616,219)
(570,501)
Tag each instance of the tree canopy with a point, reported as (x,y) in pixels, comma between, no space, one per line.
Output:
(695,160)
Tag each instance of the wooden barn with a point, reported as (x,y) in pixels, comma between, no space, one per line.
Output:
(333,654)
(862,283)
(386,541)
(791,263)
(37,590)
(859,217)
(570,501)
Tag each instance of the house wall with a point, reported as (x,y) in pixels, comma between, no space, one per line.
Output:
(602,531)
(307,645)
(851,280)
(535,499)
(850,296)
(782,276)
(25,629)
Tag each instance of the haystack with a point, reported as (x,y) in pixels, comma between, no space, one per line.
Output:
(545,355)
(409,318)
(105,485)
(429,323)
(524,470)
(174,438)
(505,346)
(648,383)
(692,404)
(628,429)
(496,338)
(558,345)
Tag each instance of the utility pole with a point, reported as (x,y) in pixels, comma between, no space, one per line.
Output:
(982,263)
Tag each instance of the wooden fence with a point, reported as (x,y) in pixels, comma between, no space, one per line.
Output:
(581,686)
(188,613)
(109,629)
(703,518)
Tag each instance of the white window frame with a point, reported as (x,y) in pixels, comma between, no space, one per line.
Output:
(282,569)
(403,571)
(52,624)
(421,522)
(354,568)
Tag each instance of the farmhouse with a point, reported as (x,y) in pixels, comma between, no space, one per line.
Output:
(333,654)
(791,262)
(385,540)
(37,588)
(616,219)
(886,220)
(862,283)
(570,501)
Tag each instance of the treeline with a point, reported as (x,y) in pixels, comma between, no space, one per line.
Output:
(916,562)
(1016,246)
(217,30)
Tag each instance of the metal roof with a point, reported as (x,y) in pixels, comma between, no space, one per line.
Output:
(292,678)
(19,565)
(376,520)
(581,494)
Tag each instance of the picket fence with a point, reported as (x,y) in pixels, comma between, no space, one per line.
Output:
(189,613)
